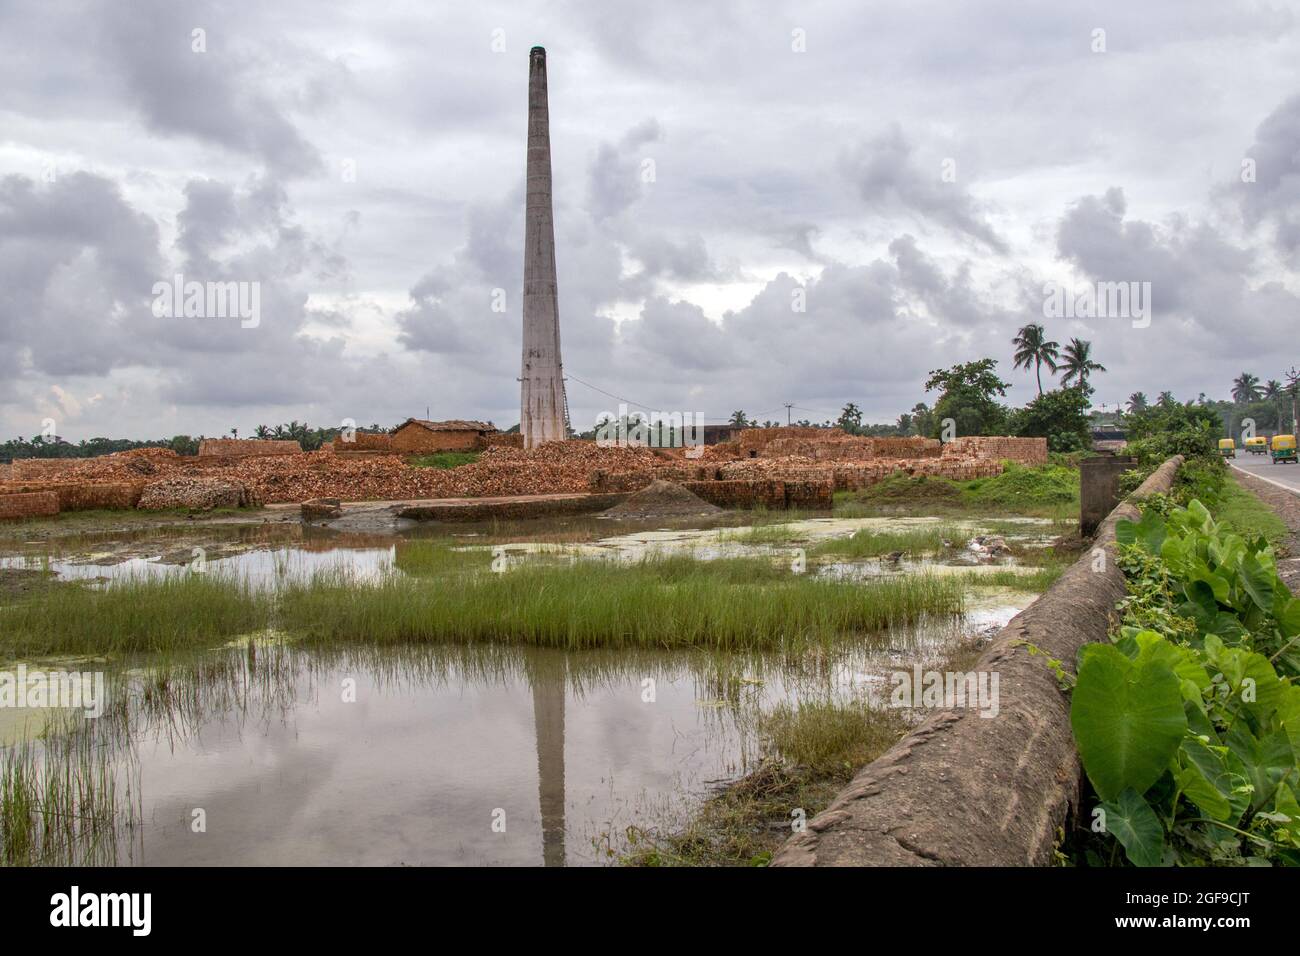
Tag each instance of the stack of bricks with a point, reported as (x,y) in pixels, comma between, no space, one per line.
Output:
(362,443)
(37,504)
(246,447)
(836,446)
(79,495)
(1024,451)
(36,469)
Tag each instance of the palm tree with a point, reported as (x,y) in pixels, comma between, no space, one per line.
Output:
(1137,402)
(1033,348)
(1165,399)
(1078,364)
(1245,388)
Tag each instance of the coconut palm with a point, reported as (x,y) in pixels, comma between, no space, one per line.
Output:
(1245,388)
(1032,347)
(1077,364)
(1164,399)
(1137,402)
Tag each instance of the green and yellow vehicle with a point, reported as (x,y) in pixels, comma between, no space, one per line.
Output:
(1227,448)
(1257,445)
(1284,448)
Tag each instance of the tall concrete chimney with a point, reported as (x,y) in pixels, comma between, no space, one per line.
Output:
(543,409)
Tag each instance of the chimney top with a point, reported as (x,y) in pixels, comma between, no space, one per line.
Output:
(537,51)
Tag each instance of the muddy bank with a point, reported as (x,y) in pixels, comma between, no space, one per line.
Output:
(965,790)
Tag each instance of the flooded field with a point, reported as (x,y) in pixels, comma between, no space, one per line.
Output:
(267,750)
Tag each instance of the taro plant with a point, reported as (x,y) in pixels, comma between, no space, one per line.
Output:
(1188,724)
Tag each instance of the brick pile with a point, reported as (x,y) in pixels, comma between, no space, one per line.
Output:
(838,446)
(1025,451)
(28,469)
(119,480)
(246,447)
(195,493)
(362,442)
(36,504)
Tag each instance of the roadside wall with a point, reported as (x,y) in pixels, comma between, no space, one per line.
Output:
(965,790)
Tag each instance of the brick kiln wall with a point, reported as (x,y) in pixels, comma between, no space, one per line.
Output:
(758,438)
(246,447)
(503,440)
(1025,451)
(417,440)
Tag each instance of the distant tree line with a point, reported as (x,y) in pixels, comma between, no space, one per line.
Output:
(311,439)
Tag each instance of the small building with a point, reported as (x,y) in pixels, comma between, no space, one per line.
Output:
(717,434)
(415,436)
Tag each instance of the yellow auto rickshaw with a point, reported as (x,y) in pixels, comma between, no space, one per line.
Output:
(1284,448)
(1227,448)
(1257,445)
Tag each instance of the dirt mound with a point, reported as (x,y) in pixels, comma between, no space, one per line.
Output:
(661,498)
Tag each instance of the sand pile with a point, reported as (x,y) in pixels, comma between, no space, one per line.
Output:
(661,499)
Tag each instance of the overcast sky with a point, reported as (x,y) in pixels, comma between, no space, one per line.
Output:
(912,172)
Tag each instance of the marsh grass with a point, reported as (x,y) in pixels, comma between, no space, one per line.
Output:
(1036,578)
(761,534)
(60,802)
(866,543)
(812,750)
(133,614)
(662,602)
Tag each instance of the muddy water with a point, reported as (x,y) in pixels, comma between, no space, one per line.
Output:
(461,756)
(266,559)
(464,755)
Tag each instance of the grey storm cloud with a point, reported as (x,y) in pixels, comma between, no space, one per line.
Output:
(741,221)
(889,174)
(1274,195)
(205,85)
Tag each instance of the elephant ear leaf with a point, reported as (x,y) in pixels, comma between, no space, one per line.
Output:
(1135,825)
(1127,717)
(1259,582)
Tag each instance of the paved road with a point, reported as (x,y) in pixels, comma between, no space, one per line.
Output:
(1261,466)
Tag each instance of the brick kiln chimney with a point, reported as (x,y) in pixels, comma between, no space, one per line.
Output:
(543,407)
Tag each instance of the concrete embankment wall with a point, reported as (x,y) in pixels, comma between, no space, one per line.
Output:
(966,790)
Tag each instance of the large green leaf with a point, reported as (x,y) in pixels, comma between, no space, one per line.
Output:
(1127,717)
(1202,792)
(1266,761)
(1132,821)
(1258,581)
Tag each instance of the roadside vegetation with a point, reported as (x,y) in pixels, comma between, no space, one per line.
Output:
(1188,723)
